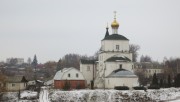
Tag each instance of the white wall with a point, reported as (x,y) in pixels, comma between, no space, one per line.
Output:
(150,72)
(73,76)
(87,71)
(15,86)
(112,82)
(110,45)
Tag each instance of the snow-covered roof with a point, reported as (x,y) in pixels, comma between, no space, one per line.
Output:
(61,74)
(122,73)
(49,82)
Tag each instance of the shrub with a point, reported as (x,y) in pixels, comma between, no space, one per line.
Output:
(154,87)
(139,88)
(78,86)
(67,85)
(121,88)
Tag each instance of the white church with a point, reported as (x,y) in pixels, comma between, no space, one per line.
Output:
(114,66)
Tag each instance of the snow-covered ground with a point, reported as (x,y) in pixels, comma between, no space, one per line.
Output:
(26,96)
(44,95)
(54,95)
(114,95)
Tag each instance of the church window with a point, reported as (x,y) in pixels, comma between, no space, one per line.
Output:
(88,68)
(120,66)
(117,47)
(77,75)
(69,75)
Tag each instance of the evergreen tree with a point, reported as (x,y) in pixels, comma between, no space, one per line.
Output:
(155,80)
(169,81)
(177,81)
(161,83)
(34,64)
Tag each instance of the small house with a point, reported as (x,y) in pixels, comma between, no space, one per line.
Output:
(72,76)
(16,83)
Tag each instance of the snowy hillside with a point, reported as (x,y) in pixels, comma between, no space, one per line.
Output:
(113,95)
(54,95)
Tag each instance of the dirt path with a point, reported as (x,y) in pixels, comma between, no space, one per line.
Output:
(44,95)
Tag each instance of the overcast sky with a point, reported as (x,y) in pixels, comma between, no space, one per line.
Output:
(52,28)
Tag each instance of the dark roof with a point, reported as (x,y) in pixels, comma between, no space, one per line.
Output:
(115,58)
(16,79)
(83,61)
(115,37)
(121,73)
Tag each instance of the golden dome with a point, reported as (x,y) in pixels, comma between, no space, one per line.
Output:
(115,24)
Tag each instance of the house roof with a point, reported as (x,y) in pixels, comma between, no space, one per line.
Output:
(115,37)
(16,79)
(120,73)
(59,75)
(118,58)
(87,61)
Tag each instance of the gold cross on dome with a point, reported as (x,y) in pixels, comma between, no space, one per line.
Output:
(114,14)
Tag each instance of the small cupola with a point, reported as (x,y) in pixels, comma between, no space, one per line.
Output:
(107,32)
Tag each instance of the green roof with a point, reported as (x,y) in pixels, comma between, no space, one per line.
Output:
(87,61)
(115,37)
(116,58)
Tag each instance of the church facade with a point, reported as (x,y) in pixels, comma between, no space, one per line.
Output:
(114,66)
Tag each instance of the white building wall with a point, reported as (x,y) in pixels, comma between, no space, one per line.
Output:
(19,60)
(110,83)
(110,45)
(111,66)
(150,72)
(87,71)
(15,86)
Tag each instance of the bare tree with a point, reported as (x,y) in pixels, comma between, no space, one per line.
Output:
(71,60)
(134,50)
(2,82)
(145,59)
(50,68)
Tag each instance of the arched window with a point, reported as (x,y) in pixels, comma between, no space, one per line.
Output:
(69,75)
